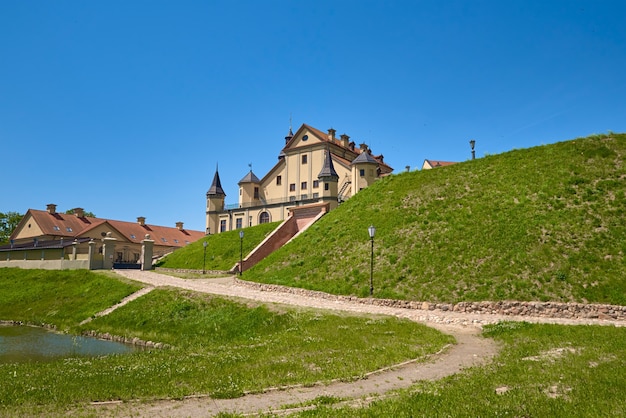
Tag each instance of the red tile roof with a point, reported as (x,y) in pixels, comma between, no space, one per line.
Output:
(72,226)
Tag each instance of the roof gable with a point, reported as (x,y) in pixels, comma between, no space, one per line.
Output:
(305,136)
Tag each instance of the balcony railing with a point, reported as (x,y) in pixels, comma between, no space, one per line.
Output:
(267,202)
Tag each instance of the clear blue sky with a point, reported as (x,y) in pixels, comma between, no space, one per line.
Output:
(124,108)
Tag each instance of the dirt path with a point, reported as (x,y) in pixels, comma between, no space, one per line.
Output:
(471,349)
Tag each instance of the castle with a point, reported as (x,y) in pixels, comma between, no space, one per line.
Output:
(313,167)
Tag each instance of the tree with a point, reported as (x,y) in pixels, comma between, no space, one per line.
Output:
(8,223)
(85,213)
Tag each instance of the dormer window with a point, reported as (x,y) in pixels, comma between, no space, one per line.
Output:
(56,228)
(68,229)
(132,236)
(163,239)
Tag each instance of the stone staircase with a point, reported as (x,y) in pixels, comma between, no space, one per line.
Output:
(300,218)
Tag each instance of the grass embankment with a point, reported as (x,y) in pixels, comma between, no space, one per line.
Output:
(220,347)
(60,298)
(538,224)
(542,371)
(222,252)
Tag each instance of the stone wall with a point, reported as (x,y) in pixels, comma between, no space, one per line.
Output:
(507,308)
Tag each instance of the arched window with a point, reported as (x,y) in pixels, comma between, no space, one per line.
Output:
(264,218)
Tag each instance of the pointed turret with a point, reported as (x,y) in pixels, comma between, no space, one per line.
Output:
(330,181)
(214,203)
(328,169)
(216,186)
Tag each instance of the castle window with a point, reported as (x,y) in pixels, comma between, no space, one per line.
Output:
(316,184)
(316,195)
(303,185)
(292,187)
(304,159)
(239,223)
(292,198)
(279,180)
(326,186)
(222,225)
(264,218)
(256,192)
(362,172)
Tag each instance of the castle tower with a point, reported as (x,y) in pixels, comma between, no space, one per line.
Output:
(364,170)
(214,204)
(249,190)
(330,181)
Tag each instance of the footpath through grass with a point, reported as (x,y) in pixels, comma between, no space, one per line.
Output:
(540,224)
(542,371)
(219,347)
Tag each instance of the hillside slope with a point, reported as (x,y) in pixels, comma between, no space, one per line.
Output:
(545,223)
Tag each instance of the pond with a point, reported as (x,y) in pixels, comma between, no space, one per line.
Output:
(24,344)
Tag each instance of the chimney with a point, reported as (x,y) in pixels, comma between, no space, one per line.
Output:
(179,226)
(408,168)
(141,220)
(331,134)
(363,147)
(345,140)
(79,212)
(51,208)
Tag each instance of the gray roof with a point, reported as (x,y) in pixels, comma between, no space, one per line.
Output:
(216,186)
(328,169)
(250,178)
(365,157)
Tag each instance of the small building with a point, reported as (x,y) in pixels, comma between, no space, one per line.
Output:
(313,167)
(53,235)
(429,164)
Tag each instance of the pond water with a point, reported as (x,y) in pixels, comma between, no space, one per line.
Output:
(24,344)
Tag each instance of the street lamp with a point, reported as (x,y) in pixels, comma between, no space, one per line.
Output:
(372,231)
(240,253)
(472,144)
(204,244)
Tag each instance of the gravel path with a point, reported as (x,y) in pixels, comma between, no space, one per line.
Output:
(471,349)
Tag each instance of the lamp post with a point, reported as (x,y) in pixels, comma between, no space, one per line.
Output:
(372,231)
(204,244)
(472,144)
(240,253)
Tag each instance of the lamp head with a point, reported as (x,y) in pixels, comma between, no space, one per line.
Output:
(371,230)
(240,234)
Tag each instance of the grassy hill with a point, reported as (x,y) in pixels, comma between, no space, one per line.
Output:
(545,223)
(222,252)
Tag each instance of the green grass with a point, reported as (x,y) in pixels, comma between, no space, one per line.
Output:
(219,347)
(542,371)
(222,252)
(538,224)
(62,298)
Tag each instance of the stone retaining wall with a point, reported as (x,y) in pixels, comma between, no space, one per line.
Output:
(510,308)
(126,340)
